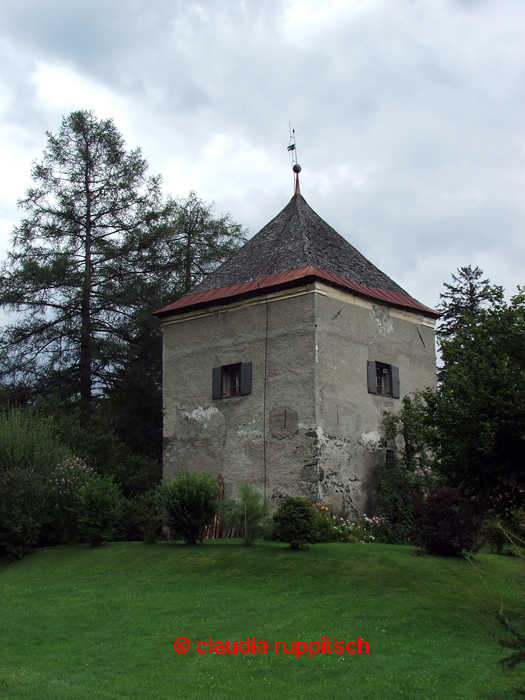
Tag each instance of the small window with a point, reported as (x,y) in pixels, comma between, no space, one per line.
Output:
(383,379)
(232,380)
(390,458)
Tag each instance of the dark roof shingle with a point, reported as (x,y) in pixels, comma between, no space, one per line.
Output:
(296,238)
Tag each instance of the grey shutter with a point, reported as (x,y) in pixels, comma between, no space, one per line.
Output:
(396,388)
(372,380)
(217,383)
(246,378)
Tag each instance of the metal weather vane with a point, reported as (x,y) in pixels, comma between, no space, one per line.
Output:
(292,148)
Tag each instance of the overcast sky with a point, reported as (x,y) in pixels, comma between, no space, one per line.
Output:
(409,114)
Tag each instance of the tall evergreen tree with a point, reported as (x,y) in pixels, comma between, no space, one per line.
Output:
(89,214)
(97,252)
(478,412)
(463,299)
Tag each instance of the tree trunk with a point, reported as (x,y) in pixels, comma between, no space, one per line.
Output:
(187,264)
(85,331)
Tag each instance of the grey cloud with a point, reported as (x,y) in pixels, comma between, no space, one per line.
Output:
(408,114)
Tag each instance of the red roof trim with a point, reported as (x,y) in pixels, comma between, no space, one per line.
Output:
(285,278)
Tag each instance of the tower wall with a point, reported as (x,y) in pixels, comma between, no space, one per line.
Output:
(350,332)
(226,436)
(309,350)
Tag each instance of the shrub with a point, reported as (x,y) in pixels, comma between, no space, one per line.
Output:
(100,446)
(247,514)
(23,510)
(189,503)
(64,487)
(296,522)
(401,482)
(445,528)
(28,441)
(325,524)
(503,531)
(101,509)
(147,514)
(343,528)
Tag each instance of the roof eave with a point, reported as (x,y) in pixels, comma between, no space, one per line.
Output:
(289,280)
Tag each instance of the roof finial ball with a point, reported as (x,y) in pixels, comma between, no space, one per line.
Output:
(295,165)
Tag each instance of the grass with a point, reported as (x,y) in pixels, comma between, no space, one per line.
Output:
(84,623)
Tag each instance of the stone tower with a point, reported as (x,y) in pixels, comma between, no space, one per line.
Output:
(278,367)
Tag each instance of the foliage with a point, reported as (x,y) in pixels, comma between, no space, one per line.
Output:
(64,495)
(444,527)
(101,509)
(41,482)
(402,482)
(23,510)
(503,531)
(199,242)
(513,628)
(103,449)
(479,409)
(464,299)
(28,440)
(189,503)
(99,249)
(76,259)
(341,528)
(296,522)
(147,514)
(247,514)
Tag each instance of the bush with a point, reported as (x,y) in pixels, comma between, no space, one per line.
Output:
(23,510)
(189,503)
(402,482)
(64,487)
(101,447)
(147,514)
(445,528)
(28,441)
(102,506)
(501,532)
(247,514)
(342,528)
(296,522)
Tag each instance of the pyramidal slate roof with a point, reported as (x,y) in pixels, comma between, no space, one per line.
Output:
(295,245)
(297,237)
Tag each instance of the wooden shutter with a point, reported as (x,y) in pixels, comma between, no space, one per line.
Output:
(372,379)
(396,388)
(246,378)
(217,383)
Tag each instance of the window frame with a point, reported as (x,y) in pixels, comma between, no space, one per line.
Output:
(373,373)
(240,372)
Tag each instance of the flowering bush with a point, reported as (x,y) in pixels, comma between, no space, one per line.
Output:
(64,488)
(341,528)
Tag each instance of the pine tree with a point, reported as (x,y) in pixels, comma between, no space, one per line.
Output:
(74,256)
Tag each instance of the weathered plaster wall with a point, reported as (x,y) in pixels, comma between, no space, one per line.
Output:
(313,346)
(226,436)
(350,331)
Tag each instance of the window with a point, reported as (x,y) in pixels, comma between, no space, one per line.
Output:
(383,379)
(390,458)
(232,380)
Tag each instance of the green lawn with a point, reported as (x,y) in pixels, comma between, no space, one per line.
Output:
(84,623)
